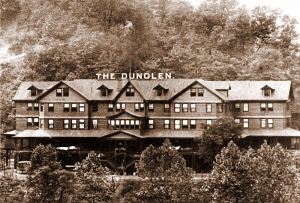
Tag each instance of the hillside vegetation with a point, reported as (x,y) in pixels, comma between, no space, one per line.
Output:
(67,39)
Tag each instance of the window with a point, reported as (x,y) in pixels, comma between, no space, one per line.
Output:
(139,107)
(36,122)
(94,107)
(73,107)
(263,123)
(132,124)
(267,92)
(95,123)
(42,123)
(193,124)
(74,124)
(159,91)
(270,123)
(36,106)
(65,92)
(237,107)
(130,92)
(263,106)
(151,107)
(151,124)
(237,120)
(117,124)
(66,107)
(112,123)
(118,107)
(270,106)
(81,123)
(29,122)
(208,108)
(137,124)
(81,107)
(127,124)
(110,107)
(208,122)
(122,124)
(200,92)
(246,123)
(177,108)
(33,92)
(167,107)
(29,106)
(177,124)
(185,107)
(246,107)
(193,108)
(50,124)
(219,107)
(103,92)
(166,124)
(66,124)
(42,107)
(50,107)
(197,91)
(185,124)
(58,92)
(193,92)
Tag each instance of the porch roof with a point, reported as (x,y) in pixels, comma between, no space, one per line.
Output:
(155,133)
(287,132)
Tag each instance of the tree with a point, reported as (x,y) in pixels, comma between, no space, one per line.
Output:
(168,178)
(216,136)
(44,156)
(93,182)
(265,175)
(48,183)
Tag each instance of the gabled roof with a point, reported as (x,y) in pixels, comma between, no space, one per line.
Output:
(252,90)
(125,112)
(160,86)
(214,91)
(89,89)
(23,92)
(124,135)
(136,87)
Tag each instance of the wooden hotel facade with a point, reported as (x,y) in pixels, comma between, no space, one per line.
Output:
(119,118)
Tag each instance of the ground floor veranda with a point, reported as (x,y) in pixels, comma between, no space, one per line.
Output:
(120,151)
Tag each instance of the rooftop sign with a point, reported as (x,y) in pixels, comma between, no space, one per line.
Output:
(132,76)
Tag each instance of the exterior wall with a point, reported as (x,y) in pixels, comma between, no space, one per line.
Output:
(21,110)
(255,114)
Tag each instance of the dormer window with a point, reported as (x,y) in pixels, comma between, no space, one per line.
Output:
(104,91)
(159,91)
(33,92)
(267,91)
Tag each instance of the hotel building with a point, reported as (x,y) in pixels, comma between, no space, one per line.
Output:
(118,119)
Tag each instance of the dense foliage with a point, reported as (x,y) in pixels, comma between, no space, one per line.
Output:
(219,40)
(265,175)
(215,137)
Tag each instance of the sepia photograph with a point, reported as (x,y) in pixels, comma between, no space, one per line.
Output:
(149,101)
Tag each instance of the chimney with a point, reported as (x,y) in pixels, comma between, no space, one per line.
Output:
(119,84)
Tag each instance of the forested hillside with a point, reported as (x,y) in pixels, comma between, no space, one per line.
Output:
(67,39)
